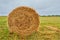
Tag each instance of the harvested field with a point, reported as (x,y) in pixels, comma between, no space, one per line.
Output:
(43,34)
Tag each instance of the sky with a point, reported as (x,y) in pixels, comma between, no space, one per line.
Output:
(42,7)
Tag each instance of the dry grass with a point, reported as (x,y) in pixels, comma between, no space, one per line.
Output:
(23,21)
(53,28)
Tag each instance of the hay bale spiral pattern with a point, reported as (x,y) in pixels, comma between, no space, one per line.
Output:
(23,21)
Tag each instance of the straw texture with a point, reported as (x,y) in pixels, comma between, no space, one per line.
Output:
(23,21)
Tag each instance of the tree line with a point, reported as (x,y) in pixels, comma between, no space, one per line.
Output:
(50,15)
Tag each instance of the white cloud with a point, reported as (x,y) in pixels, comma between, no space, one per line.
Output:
(42,6)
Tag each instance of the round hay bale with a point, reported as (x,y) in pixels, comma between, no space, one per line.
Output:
(23,21)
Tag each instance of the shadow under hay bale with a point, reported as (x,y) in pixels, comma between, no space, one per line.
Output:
(23,21)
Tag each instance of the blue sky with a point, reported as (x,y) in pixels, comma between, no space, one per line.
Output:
(43,7)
